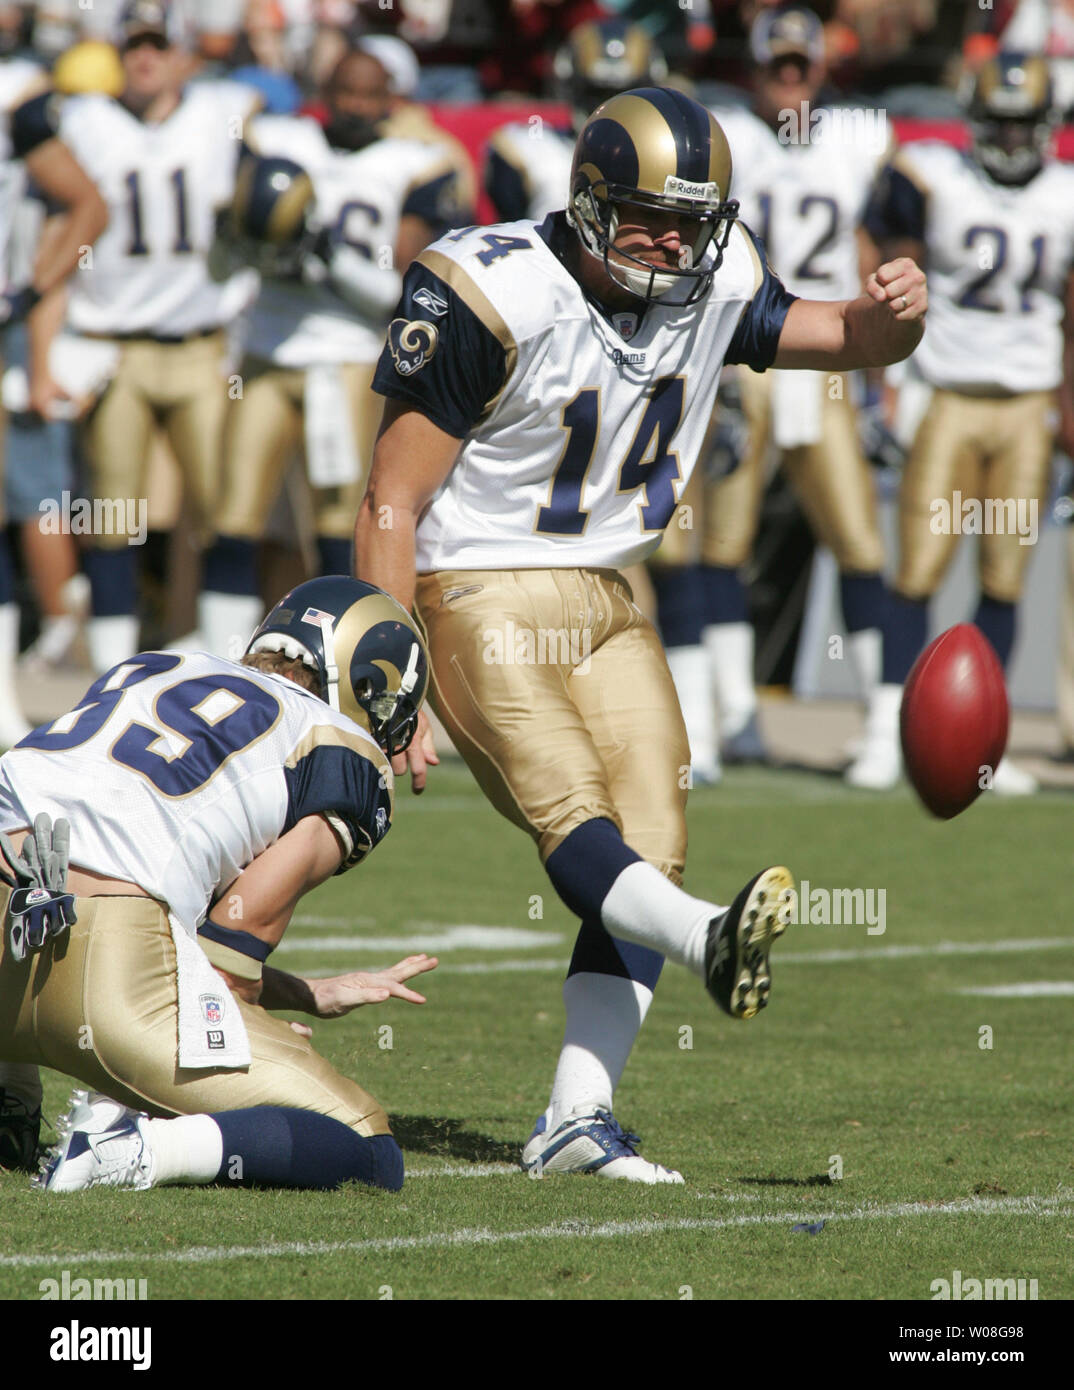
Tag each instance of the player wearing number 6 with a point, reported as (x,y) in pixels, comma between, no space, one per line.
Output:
(203,797)
(549,388)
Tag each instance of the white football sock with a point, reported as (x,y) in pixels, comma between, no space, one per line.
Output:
(689,668)
(188,1149)
(604,1014)
(226,622)
(55,638)
(866,652)
(22,1080)
(730,651)
(111,640)
(645,907)
(13,725)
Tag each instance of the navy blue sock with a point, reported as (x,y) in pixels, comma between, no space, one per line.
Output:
(113,577)
(334,555)
(7,572)
(725,595)
(996,620)
(586,864)
(865,601)
(679,605)
(905,639)
(299,1148)
(597,952)
(231,567)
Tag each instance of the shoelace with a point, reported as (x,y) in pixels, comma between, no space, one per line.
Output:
(618,1133)
(118,1175)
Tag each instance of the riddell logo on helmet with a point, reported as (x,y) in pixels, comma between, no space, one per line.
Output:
(699,192)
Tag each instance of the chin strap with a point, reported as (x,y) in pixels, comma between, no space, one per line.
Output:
(331,670)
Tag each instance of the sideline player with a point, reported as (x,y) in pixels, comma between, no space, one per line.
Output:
(81,216)
(315,332)
(803,174)
(996,227)
(204,798)
(164,156)
(543,417)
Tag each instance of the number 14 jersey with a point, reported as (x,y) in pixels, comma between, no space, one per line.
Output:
(580,428)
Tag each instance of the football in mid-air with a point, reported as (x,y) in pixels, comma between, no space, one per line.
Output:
(954,719)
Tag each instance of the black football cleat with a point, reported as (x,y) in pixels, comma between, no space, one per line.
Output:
(20,1134)
(736,955)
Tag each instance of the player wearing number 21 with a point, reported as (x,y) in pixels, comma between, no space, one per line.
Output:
(549,388)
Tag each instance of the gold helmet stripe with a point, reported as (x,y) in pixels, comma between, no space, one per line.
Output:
(348,632)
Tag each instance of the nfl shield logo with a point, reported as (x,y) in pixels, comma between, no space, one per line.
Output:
(212,1006)
(626,325)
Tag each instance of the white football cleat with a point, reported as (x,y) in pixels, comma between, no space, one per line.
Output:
(591,1142)
(1010,780)
(877,768)
(102,1144)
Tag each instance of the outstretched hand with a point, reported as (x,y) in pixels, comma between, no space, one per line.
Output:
(341,993)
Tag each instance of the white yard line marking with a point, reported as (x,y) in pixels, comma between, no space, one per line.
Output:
(560,1230)
(1039,989)
(427,936)
(937,948)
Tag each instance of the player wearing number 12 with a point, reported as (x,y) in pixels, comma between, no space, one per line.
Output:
(549,389)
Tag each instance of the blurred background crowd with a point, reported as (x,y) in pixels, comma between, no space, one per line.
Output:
(447,75)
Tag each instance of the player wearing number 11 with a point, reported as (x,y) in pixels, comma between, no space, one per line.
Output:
(549,389)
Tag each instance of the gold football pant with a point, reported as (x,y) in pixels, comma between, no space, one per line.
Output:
(99,1003)
(555,690)
(179,387)
(264,429)
(984,448)
(832,480)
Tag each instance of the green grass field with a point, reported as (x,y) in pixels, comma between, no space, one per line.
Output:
(871,1061)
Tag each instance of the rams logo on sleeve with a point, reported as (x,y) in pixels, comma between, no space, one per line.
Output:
(412,344)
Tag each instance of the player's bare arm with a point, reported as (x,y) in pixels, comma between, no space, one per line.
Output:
(411,460)
(883,325)
(63,181)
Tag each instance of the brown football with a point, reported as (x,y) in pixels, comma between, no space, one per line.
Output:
(954,719)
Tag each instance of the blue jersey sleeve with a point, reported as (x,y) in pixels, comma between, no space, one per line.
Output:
(756,339)
(505,184)
(438,202)
(34,122)
(347,788)
(439,356)
(896,208)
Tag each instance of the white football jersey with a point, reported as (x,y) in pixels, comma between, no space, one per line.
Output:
(803,189)
(175,772)
(361,197)
(998,259)
(18,76)
(163,184)
(529,170)
(580,430)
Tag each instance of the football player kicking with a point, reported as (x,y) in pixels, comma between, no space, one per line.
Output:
(996,223)
(202,798)
(549,387)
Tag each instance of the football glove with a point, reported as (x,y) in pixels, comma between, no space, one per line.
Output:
(40,907)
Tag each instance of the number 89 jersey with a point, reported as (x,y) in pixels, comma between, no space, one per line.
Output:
(997,259)
(579,429)
(175,772)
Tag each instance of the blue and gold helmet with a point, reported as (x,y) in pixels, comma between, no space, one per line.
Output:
(364,646)
(653,148)
(267,220)
(1012,117)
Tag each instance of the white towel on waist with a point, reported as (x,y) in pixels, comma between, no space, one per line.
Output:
(331,455)
(211,1030)
(797,400)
